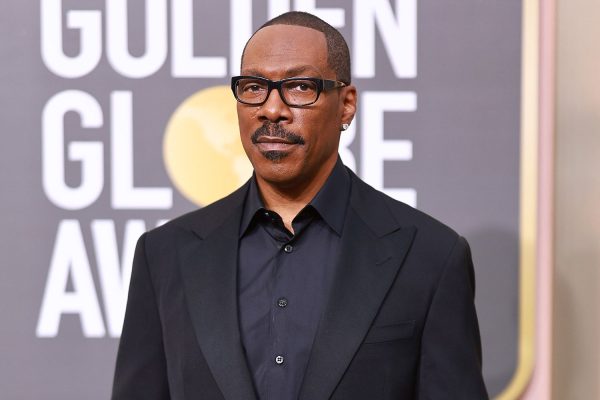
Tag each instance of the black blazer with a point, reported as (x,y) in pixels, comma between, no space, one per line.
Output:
(400,321)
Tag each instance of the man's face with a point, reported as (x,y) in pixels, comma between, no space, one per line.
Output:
(292,147)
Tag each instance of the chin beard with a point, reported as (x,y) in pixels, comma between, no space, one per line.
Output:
(274,155)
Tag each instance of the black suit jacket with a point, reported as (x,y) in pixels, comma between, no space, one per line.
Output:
(399,323)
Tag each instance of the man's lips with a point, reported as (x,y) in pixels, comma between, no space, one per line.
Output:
(273,137)
(270,143)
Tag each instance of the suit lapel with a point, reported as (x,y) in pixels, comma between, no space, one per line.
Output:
(209,276)
(369,262)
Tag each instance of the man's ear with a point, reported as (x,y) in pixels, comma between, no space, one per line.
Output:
(348,104)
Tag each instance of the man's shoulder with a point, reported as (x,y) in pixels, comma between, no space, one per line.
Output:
(378,203)
(203,220)
(433,241)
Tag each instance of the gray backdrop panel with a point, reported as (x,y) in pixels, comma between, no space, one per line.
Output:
(465,168)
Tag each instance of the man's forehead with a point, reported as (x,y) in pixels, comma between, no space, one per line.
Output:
(288,48)
(296,70)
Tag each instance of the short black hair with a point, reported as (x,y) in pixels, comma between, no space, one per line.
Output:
(338,55)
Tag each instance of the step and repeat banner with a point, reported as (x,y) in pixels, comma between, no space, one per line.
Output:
(116,116)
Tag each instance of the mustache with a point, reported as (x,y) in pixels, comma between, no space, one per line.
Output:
(276,130)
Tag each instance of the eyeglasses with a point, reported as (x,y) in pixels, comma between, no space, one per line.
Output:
(295,92)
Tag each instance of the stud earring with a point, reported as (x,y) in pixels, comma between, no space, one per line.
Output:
(344,127)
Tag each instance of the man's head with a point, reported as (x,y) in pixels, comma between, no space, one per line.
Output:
(293,146)
(338,54)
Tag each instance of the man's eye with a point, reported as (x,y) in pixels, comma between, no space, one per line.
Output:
(303,86)
(253,88)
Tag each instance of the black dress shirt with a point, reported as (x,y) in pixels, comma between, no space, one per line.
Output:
(283,281)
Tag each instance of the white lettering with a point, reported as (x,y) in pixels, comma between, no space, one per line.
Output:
(69,258)
(118,39)
(240,19)
(88,153)
(114,274)
(333,16)
(399,36)
(277,7)
(124,194)
(183,62)
(375,149)
(346,139)
(51,39)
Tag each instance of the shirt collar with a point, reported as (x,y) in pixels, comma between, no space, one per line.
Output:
(330,202)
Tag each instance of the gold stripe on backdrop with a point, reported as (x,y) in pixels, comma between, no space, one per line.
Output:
(528,200)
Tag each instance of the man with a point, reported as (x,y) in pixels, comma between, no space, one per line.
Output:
(305,283)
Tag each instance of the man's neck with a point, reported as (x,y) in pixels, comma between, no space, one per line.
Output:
(289,200)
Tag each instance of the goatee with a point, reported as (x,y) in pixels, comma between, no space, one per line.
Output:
(276,130)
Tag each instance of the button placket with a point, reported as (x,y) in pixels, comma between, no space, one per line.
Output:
(279,304)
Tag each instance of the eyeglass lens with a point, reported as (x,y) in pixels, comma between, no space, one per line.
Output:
(294,92)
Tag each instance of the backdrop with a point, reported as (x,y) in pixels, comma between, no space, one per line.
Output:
(116,116)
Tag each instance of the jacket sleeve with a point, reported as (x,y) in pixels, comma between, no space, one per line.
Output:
(140,371)
(450,366)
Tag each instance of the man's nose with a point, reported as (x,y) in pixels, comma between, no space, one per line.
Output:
(274,109)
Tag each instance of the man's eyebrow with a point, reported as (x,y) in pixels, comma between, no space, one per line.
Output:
(290,72)
(297,71)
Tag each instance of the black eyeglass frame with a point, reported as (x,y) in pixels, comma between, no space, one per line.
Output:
(322,86)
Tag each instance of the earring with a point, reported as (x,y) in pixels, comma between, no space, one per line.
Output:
(344,127)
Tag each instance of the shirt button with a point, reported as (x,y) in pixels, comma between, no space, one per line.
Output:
(279,360)
(288,248)
(282,302)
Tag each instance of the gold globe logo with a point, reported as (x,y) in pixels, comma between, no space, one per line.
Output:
(202,151)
